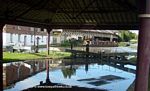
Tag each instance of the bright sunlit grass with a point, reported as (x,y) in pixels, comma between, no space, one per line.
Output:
(7,56)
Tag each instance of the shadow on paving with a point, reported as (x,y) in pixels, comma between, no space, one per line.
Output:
(102,80)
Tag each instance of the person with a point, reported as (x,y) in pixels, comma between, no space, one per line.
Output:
(87,49)
(87,46)
(71,45)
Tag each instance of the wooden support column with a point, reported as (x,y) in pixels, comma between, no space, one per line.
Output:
(143,58)
(48,40)
(37,45)
(1,56)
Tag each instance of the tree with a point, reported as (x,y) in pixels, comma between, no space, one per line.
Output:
(126,36)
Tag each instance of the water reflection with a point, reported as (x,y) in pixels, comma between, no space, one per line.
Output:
(17,71)
(47,71)
(83,73)
(68,71)
(106,75)
(86,67)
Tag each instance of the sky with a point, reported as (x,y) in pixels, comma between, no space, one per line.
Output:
(135,31)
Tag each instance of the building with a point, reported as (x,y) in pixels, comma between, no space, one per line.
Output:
(96,37)
(28,36)
(23,35)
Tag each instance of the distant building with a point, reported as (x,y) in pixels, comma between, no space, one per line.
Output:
(28,36)
(96,37)
(23,35)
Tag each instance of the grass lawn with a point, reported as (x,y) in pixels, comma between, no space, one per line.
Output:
(7,57)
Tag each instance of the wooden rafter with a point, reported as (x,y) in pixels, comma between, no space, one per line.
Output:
(72,13)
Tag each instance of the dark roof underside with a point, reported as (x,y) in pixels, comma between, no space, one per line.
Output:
(71,14)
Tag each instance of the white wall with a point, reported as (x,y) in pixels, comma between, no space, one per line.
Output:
(6,39)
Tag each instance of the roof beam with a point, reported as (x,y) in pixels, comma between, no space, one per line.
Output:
(132,26)
(29,9)
(93,1)
(126,5)
(94,11)
(58,7)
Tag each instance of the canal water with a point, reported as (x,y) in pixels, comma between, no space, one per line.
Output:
(100,75)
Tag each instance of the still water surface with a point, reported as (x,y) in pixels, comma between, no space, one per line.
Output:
(94,75)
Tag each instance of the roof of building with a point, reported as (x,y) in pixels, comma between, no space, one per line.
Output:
(71,14)
(30,30)
(93,31)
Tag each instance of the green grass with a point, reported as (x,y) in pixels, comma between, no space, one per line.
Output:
(8,57)
(122,43)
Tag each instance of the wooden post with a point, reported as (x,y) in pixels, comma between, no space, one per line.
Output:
(48,40)
(143,57)
(34,39)
(1,56)
(37,45)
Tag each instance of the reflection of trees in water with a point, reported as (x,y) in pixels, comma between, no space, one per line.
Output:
(68,72)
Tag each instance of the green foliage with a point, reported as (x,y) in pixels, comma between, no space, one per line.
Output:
(126,36)
(72,41)
(68,72)
(26,56)
(65,43)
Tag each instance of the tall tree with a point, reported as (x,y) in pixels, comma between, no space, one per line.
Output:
(126,36)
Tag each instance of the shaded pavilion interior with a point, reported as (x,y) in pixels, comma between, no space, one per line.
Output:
(71,14)
(84,14)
